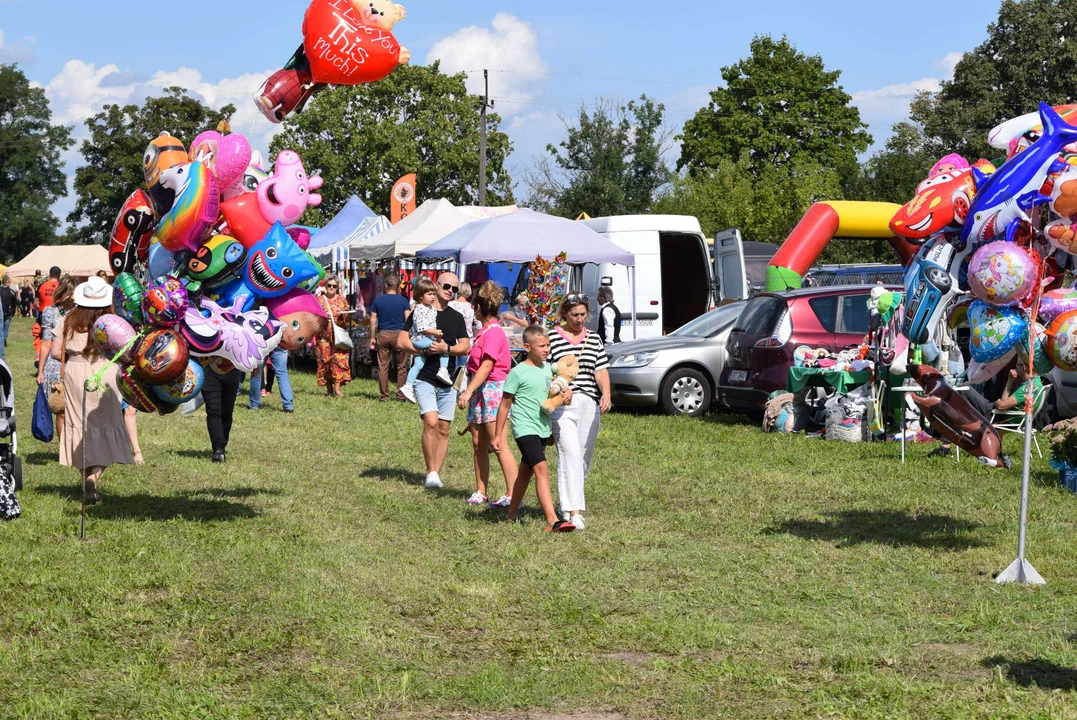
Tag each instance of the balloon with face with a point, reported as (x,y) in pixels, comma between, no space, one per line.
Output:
(162,153)
(277,265)
(111,334)
(217,262)
(243,338)
(995,331)
(131,232)
(161,356)
(302,316)
(165,302)
(194,211)
(183,388)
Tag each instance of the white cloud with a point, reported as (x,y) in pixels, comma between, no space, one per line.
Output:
(14,53)
(948,63)
(509,49)
(882,107)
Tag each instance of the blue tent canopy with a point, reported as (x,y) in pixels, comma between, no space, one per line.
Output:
(343,225)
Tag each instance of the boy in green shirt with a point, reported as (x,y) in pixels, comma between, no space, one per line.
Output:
(526,388)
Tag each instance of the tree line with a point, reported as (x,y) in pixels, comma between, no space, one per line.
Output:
(779,133)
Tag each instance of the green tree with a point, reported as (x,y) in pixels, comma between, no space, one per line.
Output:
(892,174)
(360,139)
(1029,56)
(610,162)
(113,153)
(31,171)
(777,105)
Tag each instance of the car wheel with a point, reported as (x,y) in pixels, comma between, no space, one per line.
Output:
(685,392)
(939,278)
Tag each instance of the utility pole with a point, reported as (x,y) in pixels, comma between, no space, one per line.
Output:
(487,104)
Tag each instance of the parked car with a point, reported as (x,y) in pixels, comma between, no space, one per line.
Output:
(759,351)
(678,372)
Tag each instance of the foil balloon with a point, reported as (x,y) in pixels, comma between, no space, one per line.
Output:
(243,338)
(161,356)
(243,219)
(226,156)
(352,43)
(163,152)
(958,314)
(941,203)
(111,334)
(160,261)
(285,91)
(951,414)
(1040,362)
(131,233)
(195,210)
(301,316)
(1057,302)
(218,262)
(1062,341)
(248,182)
(978,372)
(995,330)
(285,195)
(183,388)
(1002,273)
(127,294)
(165,302)
(277,265)
(134,390)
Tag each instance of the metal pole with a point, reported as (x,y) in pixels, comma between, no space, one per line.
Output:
(633,302)
(486,104)
(1021,570)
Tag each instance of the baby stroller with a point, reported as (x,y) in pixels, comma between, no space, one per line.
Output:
(10,465)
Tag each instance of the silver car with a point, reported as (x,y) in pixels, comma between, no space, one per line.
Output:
(678,372)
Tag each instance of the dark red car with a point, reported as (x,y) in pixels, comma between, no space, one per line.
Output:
(760,347)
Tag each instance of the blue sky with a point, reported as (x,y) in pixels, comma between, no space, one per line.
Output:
(547,58)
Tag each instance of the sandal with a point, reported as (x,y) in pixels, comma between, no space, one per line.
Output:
(560,526)
(90,495)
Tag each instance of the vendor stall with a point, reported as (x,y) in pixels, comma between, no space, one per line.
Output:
(81,261)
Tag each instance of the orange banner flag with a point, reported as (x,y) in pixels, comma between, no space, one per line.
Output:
(403,198)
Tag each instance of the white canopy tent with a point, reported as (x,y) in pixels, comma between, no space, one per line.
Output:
(78,260)
(430,222)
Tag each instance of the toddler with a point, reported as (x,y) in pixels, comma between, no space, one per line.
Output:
(424,330)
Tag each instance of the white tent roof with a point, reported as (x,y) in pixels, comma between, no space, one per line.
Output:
(367,228)
(78,260)
(430,222)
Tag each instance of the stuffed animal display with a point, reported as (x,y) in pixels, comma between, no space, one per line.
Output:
(567,369)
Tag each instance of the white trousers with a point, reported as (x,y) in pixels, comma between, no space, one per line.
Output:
(575,427)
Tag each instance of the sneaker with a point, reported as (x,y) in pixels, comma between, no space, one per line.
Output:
(477,498)
(266,393)
(502,502)
(577,520)
(218,456)
(443,376)
(433,481)
(940,451)
(408,391)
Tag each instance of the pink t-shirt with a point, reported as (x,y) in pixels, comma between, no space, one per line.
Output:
(491,342)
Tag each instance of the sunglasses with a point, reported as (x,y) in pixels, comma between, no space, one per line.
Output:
(450,288)
(575,299)
(332,287)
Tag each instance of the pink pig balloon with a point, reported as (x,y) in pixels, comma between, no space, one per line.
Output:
(285,194)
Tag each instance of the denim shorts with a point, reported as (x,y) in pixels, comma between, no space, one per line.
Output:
(436,399)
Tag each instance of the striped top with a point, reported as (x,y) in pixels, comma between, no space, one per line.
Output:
(592,356)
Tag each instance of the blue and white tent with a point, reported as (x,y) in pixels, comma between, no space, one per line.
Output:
(355,222)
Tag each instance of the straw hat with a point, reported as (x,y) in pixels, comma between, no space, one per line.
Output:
(94,293)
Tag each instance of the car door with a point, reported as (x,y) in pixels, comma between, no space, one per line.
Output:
(730,276)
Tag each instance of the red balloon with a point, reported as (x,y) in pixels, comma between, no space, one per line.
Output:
(131,232)
(343,48)
(245,221)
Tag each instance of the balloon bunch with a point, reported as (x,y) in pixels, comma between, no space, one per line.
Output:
(228,282)
(345,42)
(546,288)
(990,227)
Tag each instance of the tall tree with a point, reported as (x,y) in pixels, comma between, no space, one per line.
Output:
(892,173)
(610,162)
(113,154)
(31,172)
(778,104)
(418,120)
(1029,56)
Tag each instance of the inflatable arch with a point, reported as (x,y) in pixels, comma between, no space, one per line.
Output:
(823,222)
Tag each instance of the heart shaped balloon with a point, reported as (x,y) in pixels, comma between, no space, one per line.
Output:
(995,330)
(227,156)
(342,49)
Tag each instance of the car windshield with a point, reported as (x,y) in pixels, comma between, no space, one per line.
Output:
(711,323)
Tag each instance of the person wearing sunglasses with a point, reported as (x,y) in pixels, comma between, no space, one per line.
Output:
(436,398)
(334,370)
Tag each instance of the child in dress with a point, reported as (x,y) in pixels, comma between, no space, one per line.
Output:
(424,331)
(526,388)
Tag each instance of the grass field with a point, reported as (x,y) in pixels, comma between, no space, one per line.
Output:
(724,573)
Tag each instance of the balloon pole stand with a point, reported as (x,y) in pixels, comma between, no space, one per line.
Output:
(1021,570)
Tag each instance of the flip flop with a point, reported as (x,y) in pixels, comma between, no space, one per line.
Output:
(561,526)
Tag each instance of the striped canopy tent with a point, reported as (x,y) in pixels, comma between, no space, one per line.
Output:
(430,222)
(336,253)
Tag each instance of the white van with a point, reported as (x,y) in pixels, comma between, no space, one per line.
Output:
(675,279)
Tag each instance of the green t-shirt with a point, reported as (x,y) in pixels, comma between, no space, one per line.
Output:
(529,386)
(1019,395)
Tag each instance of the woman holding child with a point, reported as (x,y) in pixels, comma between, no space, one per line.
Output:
(575,426)
(488,367)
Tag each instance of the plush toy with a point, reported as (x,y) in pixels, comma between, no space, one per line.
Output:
(567,369)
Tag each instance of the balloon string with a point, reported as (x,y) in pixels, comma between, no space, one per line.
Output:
(93,384)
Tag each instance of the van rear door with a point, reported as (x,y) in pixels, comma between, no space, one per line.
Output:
(730,277)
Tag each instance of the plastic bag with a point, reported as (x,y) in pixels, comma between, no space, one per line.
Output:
(41,425)
(847,415)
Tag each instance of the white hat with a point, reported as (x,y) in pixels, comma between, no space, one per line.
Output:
(94,293)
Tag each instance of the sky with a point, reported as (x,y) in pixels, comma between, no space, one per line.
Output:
(545,59)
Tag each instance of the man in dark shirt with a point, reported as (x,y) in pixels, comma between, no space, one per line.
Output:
(437,402)
(387,315)
(8,303)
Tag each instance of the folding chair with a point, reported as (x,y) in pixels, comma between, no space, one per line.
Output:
(1013,421)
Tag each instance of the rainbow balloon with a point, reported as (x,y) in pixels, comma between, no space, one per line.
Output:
(195,210)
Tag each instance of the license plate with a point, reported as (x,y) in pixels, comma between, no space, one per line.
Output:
(738,376)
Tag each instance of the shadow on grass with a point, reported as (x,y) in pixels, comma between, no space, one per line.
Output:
(884,527)
(194,454)
(41,458)
(1043,674)
(496,516)
(154,507)
(411,477)
(728,418)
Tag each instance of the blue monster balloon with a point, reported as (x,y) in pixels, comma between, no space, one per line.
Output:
(276,265)
(1004,198)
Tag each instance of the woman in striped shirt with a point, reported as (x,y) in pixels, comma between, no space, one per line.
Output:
(575,426)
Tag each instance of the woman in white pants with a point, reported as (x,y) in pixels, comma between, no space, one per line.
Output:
(575,426)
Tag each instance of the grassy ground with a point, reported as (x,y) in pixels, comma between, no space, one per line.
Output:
(724,573)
